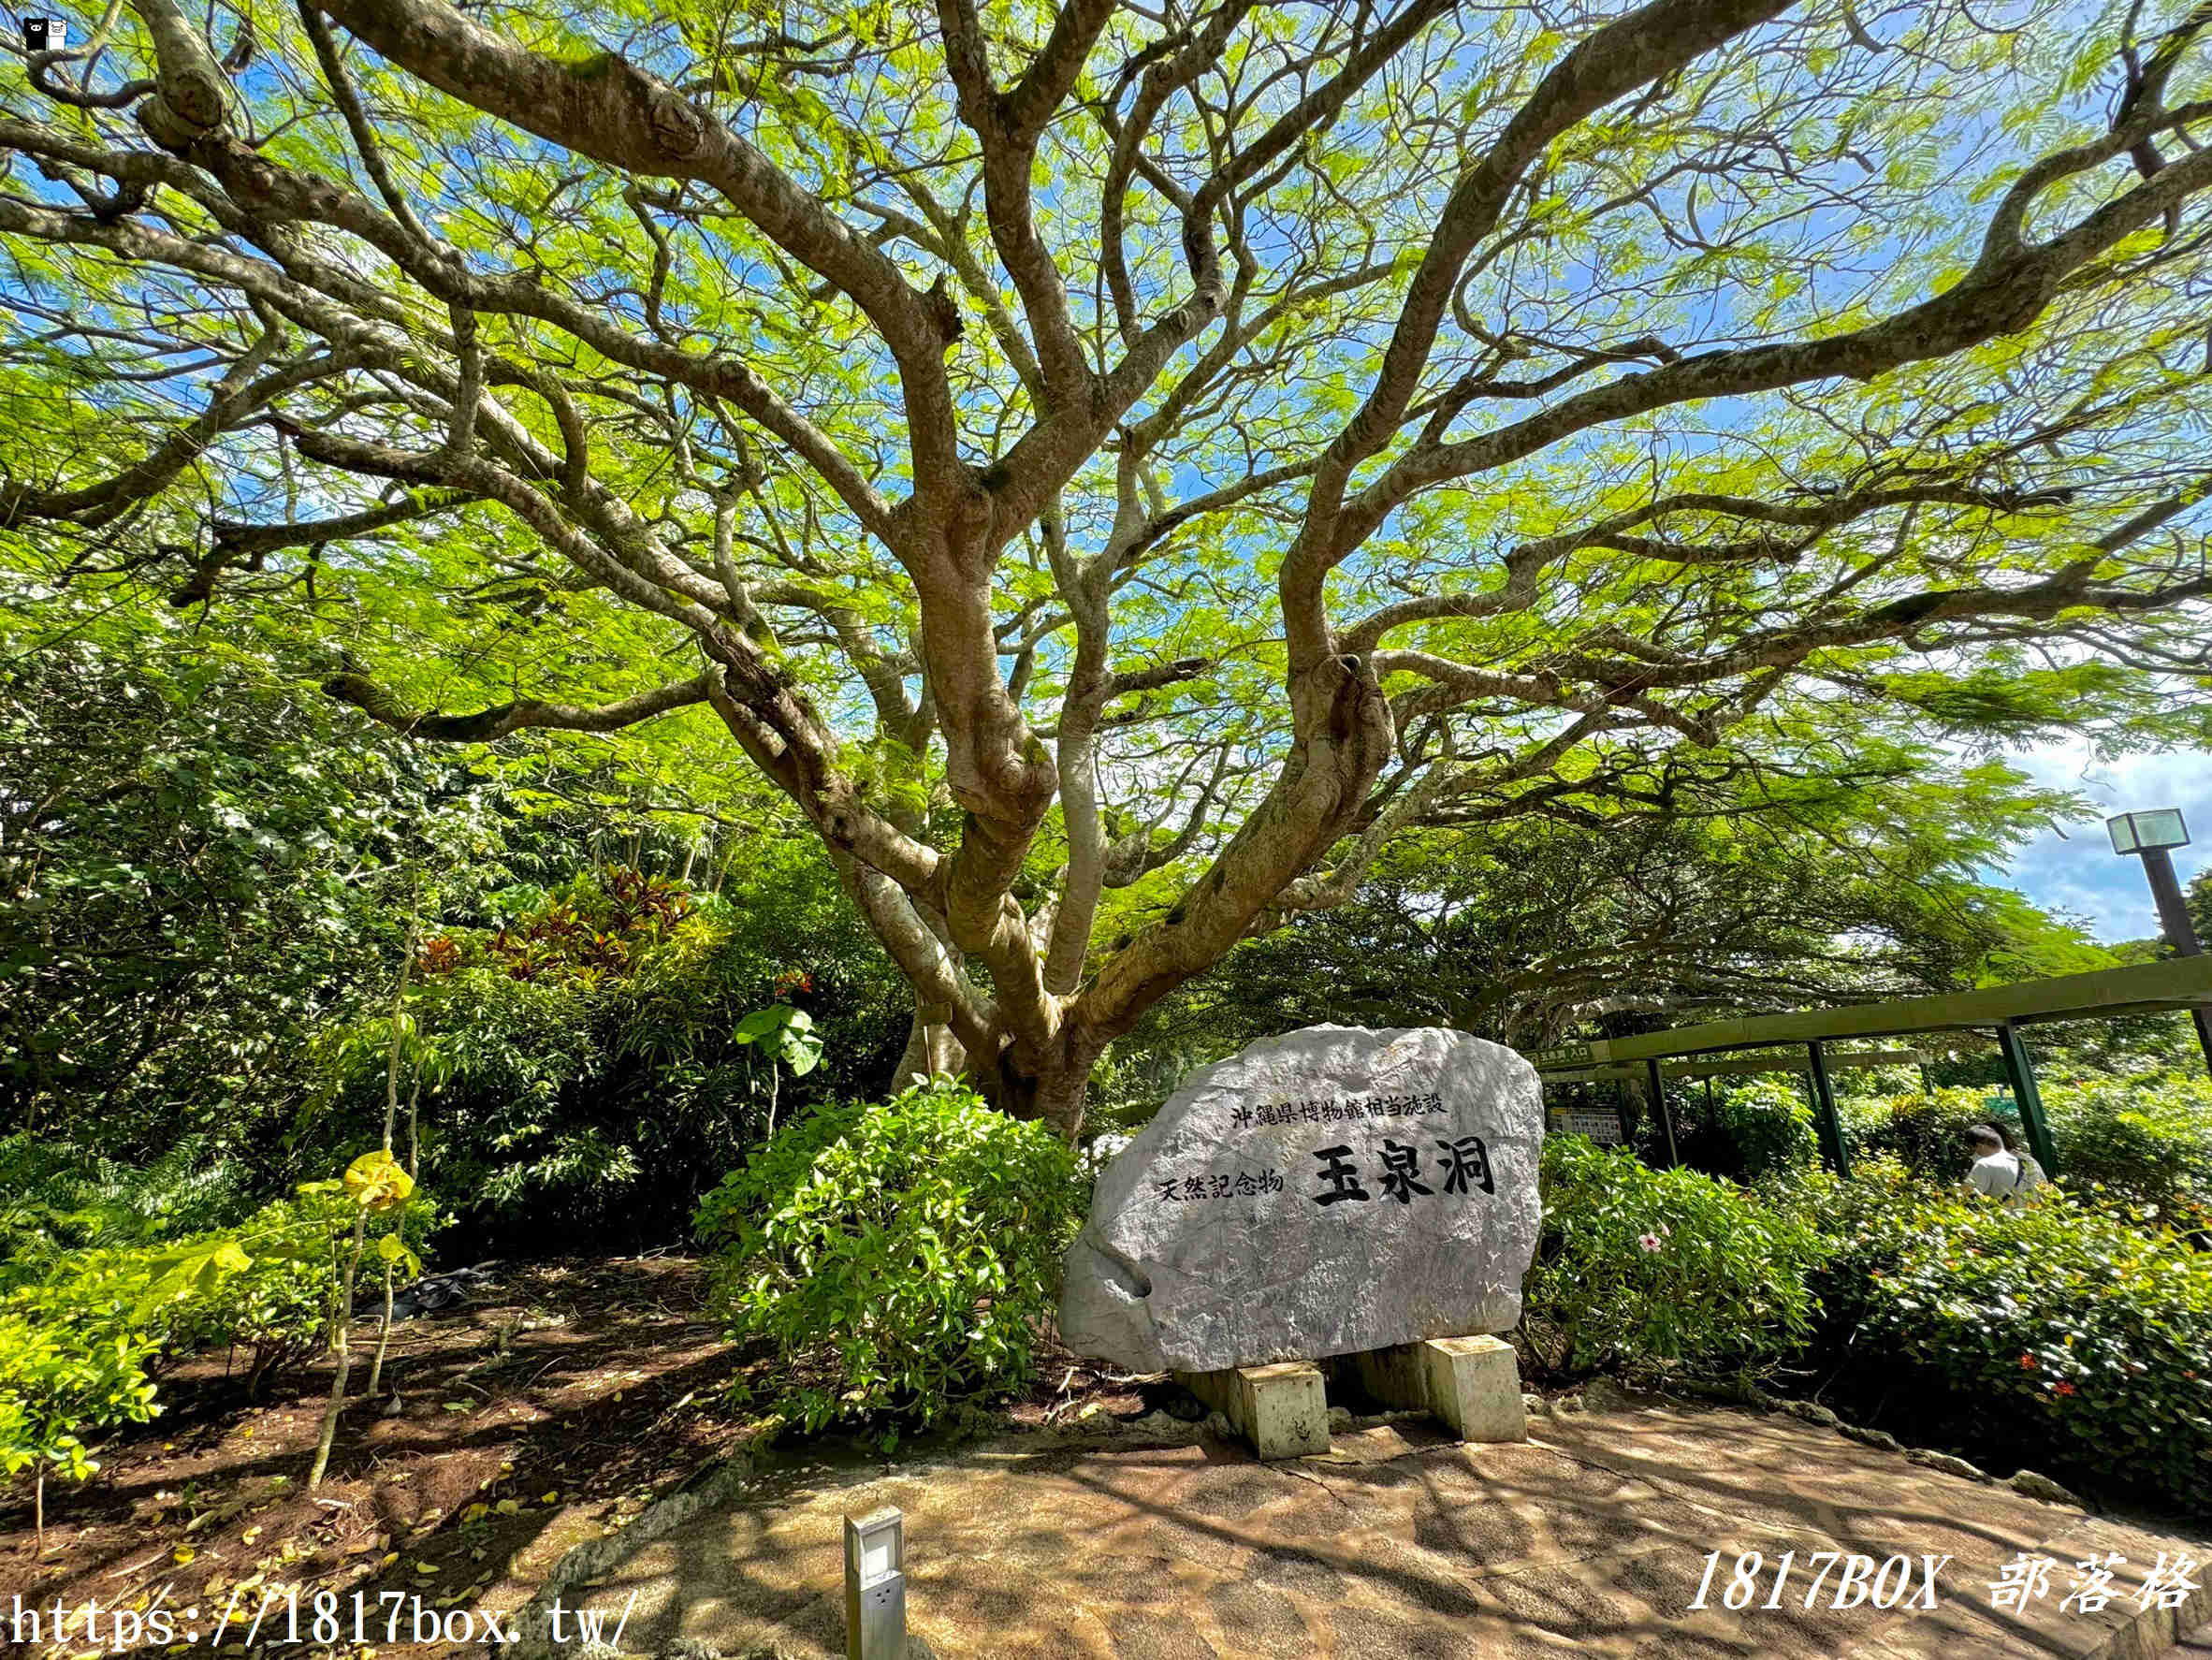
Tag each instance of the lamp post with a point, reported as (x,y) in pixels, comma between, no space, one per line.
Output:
(2150,836)
(876,1586)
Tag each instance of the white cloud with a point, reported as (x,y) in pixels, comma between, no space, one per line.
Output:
(2080,874)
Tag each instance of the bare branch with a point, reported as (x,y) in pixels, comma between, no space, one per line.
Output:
(497,722)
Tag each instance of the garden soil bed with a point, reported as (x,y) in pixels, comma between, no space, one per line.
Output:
(546,1411)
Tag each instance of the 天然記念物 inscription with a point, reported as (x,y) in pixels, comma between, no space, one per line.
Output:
(1246,1184)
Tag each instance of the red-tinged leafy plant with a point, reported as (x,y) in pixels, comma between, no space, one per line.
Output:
(594,925)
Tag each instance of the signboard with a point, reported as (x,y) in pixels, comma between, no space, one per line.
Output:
(1565,1054)
(1325,1192)
(1600,1126)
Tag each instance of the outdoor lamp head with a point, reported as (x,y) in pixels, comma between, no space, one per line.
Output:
(878,1544)
(2145,832)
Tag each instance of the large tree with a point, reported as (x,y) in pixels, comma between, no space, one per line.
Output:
(1114,466)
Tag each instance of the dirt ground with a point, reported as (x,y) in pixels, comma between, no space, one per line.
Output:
(549,1410)
(1594,1538)
(546,1412)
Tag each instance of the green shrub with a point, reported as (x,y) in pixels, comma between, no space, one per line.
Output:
(60,1381)
(1636,1264)
(899,1255)
(82,1340)
(583,1063)
(95,1237)
(1771,1126)
(2077,1334)
(56,1197)
(1924,1131)
(1752,1129)
(277,1306)
(265,1286)
(78,1350)
(2148,1138)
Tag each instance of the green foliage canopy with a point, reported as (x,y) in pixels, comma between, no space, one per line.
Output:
(1523,931)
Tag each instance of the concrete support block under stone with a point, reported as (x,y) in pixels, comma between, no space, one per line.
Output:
(1281,1410)
(1472,1383)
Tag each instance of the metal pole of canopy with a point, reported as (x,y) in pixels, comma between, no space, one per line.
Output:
(2021,1071)
(1666,1117)
(1823,1113)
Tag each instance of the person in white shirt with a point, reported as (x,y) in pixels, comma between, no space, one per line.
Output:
(2010,1178)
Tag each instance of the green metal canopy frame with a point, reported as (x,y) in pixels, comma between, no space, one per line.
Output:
(2180,985)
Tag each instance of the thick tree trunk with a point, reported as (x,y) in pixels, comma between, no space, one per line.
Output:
(1060,1100)
(1056,1095)
(931,1047)
(1634,1106)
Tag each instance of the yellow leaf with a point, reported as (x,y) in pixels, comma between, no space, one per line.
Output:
(375,1182)
(475,1510)
(250,1535)
(550,1498)
(387,1562)
(507,1506)
(183,1554)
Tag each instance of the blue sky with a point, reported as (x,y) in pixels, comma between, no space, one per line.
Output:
(2082,876)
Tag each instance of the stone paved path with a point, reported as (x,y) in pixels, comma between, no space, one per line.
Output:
(1398,1545)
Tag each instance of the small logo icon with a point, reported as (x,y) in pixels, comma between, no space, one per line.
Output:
(44,33)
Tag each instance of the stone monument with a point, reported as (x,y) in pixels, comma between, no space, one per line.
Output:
(1332,1191)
